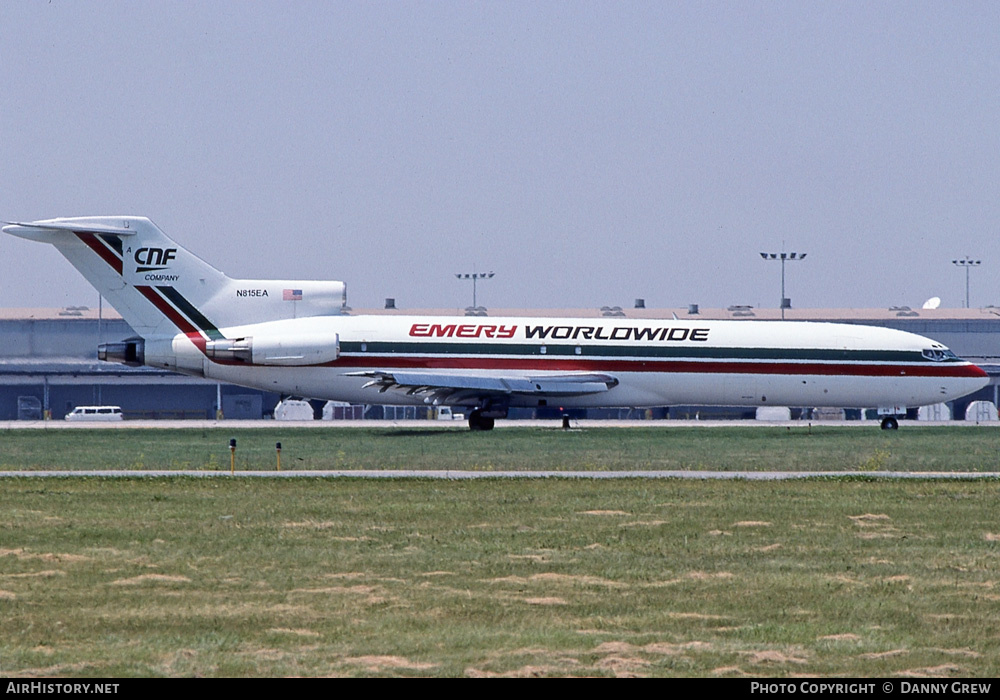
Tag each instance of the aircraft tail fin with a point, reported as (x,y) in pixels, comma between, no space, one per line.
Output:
(161,288)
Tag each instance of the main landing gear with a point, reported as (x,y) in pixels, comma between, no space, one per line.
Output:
(477,421)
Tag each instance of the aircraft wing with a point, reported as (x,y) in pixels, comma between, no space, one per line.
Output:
(459,388)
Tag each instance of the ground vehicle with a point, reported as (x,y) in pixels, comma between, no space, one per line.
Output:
(96,413)
(445,413)
(293,409)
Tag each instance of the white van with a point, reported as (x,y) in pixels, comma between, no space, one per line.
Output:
(101,413)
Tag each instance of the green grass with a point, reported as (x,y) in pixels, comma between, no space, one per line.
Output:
(179,576)
(183,576)
(727,449)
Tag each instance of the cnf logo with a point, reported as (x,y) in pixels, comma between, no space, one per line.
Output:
(154,258)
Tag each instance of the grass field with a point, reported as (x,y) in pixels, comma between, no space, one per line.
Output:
(752,448)
(180,576)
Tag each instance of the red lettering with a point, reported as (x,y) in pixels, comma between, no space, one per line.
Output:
(437,330)
(440,331)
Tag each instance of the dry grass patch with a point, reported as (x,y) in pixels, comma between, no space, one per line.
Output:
(968,653)
(708,575)
(867,519)
(623,666)
(669,649)
(21,553)
(536,558)
(767,548)
(654,648)
(313,524)
(697,616)
(729,671)
(879,655)
(48,573)
(773,656)
(845,637)
(942,671)
(294,632)
(372,595)
(645,523)
(530,671)
(151,578)
(383,663)
(577,579)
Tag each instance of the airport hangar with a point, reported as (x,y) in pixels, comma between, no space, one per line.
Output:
(48,362)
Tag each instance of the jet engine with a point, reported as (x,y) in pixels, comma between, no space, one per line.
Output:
(131,352)
(289,350)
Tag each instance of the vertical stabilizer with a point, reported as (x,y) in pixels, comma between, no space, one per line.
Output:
(154,283)
(161,288)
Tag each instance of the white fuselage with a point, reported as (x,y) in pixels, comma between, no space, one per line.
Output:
(653,362)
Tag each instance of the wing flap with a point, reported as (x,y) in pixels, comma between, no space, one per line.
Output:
(442,386)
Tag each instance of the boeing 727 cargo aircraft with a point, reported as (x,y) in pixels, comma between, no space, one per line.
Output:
(290,337)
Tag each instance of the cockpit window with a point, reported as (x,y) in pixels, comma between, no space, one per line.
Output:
(936,355)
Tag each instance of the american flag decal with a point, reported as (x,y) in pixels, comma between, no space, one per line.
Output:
(291,295)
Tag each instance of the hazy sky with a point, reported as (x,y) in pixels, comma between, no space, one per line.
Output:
(587,152)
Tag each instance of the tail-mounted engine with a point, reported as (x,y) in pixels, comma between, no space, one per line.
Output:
(293,350)
(131,352)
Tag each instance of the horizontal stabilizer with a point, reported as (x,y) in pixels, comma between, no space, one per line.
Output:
(75,225)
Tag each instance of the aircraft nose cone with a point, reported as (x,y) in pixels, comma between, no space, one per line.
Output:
(972,380)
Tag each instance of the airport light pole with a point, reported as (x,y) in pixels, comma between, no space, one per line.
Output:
(474,276)
(968,263)
(786,303)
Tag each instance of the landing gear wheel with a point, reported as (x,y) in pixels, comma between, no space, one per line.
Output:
(478,422)
(890,423)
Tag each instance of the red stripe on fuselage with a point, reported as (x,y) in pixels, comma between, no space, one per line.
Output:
(964,371)
(185,326)
(99,247)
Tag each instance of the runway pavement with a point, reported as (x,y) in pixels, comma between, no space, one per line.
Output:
(555,424)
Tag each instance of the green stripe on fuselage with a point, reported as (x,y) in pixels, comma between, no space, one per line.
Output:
(185,307)
(687,351)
